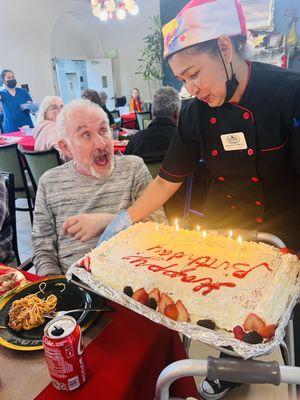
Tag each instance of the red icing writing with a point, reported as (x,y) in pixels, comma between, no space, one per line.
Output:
(204,285)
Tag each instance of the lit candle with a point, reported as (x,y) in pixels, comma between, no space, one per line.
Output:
(198,228)
(230,234)
(176,225)
(204,234)
(240,242)
(157,227)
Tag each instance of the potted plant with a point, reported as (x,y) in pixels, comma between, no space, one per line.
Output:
(151,58)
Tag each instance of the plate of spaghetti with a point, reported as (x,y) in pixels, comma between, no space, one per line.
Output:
(22,318)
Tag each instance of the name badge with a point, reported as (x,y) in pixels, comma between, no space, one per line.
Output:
(234,141)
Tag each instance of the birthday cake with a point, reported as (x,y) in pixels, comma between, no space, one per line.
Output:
(213,276)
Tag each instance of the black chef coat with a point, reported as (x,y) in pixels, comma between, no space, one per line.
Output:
(253,188)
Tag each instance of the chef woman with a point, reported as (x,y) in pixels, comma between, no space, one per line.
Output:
(244,123)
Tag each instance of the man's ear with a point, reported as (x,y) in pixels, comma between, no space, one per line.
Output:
(64,147)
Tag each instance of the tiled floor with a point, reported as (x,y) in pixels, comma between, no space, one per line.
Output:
(198,350)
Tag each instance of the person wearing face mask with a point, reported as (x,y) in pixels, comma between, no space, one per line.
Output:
(244,123)
(13,100)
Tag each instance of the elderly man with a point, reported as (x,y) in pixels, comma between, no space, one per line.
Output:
(152,143)
(93,182)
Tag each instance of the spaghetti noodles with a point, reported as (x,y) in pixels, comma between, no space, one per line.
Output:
(28,312)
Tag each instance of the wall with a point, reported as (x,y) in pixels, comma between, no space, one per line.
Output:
(127,37)
(33,31)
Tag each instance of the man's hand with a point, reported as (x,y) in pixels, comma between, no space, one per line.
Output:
(121,221)
(84,227)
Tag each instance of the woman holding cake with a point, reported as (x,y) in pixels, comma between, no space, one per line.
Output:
(244,123)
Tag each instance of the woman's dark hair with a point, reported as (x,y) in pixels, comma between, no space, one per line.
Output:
(3,73)
(91,95)
(211,46)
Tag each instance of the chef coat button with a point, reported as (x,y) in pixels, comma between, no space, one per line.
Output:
(258,203)
(213,120)
(228,196)
(254,179)
(214,153)
(259,220)
(250,152)
(221,178)
(246,115)
(233,206)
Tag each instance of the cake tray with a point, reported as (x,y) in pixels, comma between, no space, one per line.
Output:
(217,338)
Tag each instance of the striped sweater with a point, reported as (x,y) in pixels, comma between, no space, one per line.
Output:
(64,192)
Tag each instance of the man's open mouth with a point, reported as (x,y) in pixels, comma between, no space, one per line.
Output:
(101,160)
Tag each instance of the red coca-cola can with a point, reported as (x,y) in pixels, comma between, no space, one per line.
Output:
(63,347)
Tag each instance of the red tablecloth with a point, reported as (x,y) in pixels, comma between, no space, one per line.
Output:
(129,121)
(124,361)
(26,141)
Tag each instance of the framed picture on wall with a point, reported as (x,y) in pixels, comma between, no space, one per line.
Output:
(259,14)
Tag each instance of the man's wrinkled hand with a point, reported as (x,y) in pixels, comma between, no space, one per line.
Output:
(85,227)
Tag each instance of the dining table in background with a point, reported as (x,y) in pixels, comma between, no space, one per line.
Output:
(129,121)
(125,352)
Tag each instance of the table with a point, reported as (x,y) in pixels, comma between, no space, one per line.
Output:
(129,121)
(27,142)
(123,360)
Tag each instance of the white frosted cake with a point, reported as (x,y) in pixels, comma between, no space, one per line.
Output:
(215,277)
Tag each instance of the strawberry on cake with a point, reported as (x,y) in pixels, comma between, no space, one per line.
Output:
(211,280)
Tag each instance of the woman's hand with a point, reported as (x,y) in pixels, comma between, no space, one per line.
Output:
(84,227)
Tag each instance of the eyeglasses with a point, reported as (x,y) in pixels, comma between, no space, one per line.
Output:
(54,107)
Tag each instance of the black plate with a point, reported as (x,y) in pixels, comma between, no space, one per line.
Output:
(68,299)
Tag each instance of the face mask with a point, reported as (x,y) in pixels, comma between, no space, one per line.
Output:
(231,84)
(11,83)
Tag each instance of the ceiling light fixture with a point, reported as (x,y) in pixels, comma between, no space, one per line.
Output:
(108,9)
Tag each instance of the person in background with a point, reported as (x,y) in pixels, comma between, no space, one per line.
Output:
(16,103)
(103,100)
(152,143)
(45,131)
(7,255)
(69,196)
(135,102)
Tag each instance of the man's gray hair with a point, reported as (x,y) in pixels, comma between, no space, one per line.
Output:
(103,98)
(79,106)
(166,102)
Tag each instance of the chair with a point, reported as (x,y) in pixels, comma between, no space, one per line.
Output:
(10,186)
(153,168)
(11,161)
(140,116)
(38,162)
(146,123)
(115,113)
(197,182)
(147,106)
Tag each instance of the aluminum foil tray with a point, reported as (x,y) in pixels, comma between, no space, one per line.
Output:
(213,338)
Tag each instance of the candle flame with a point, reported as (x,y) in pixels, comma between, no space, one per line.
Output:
(204,234)
(176,225)
(230,234)
(157,227)
(198,228)
(240,240)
